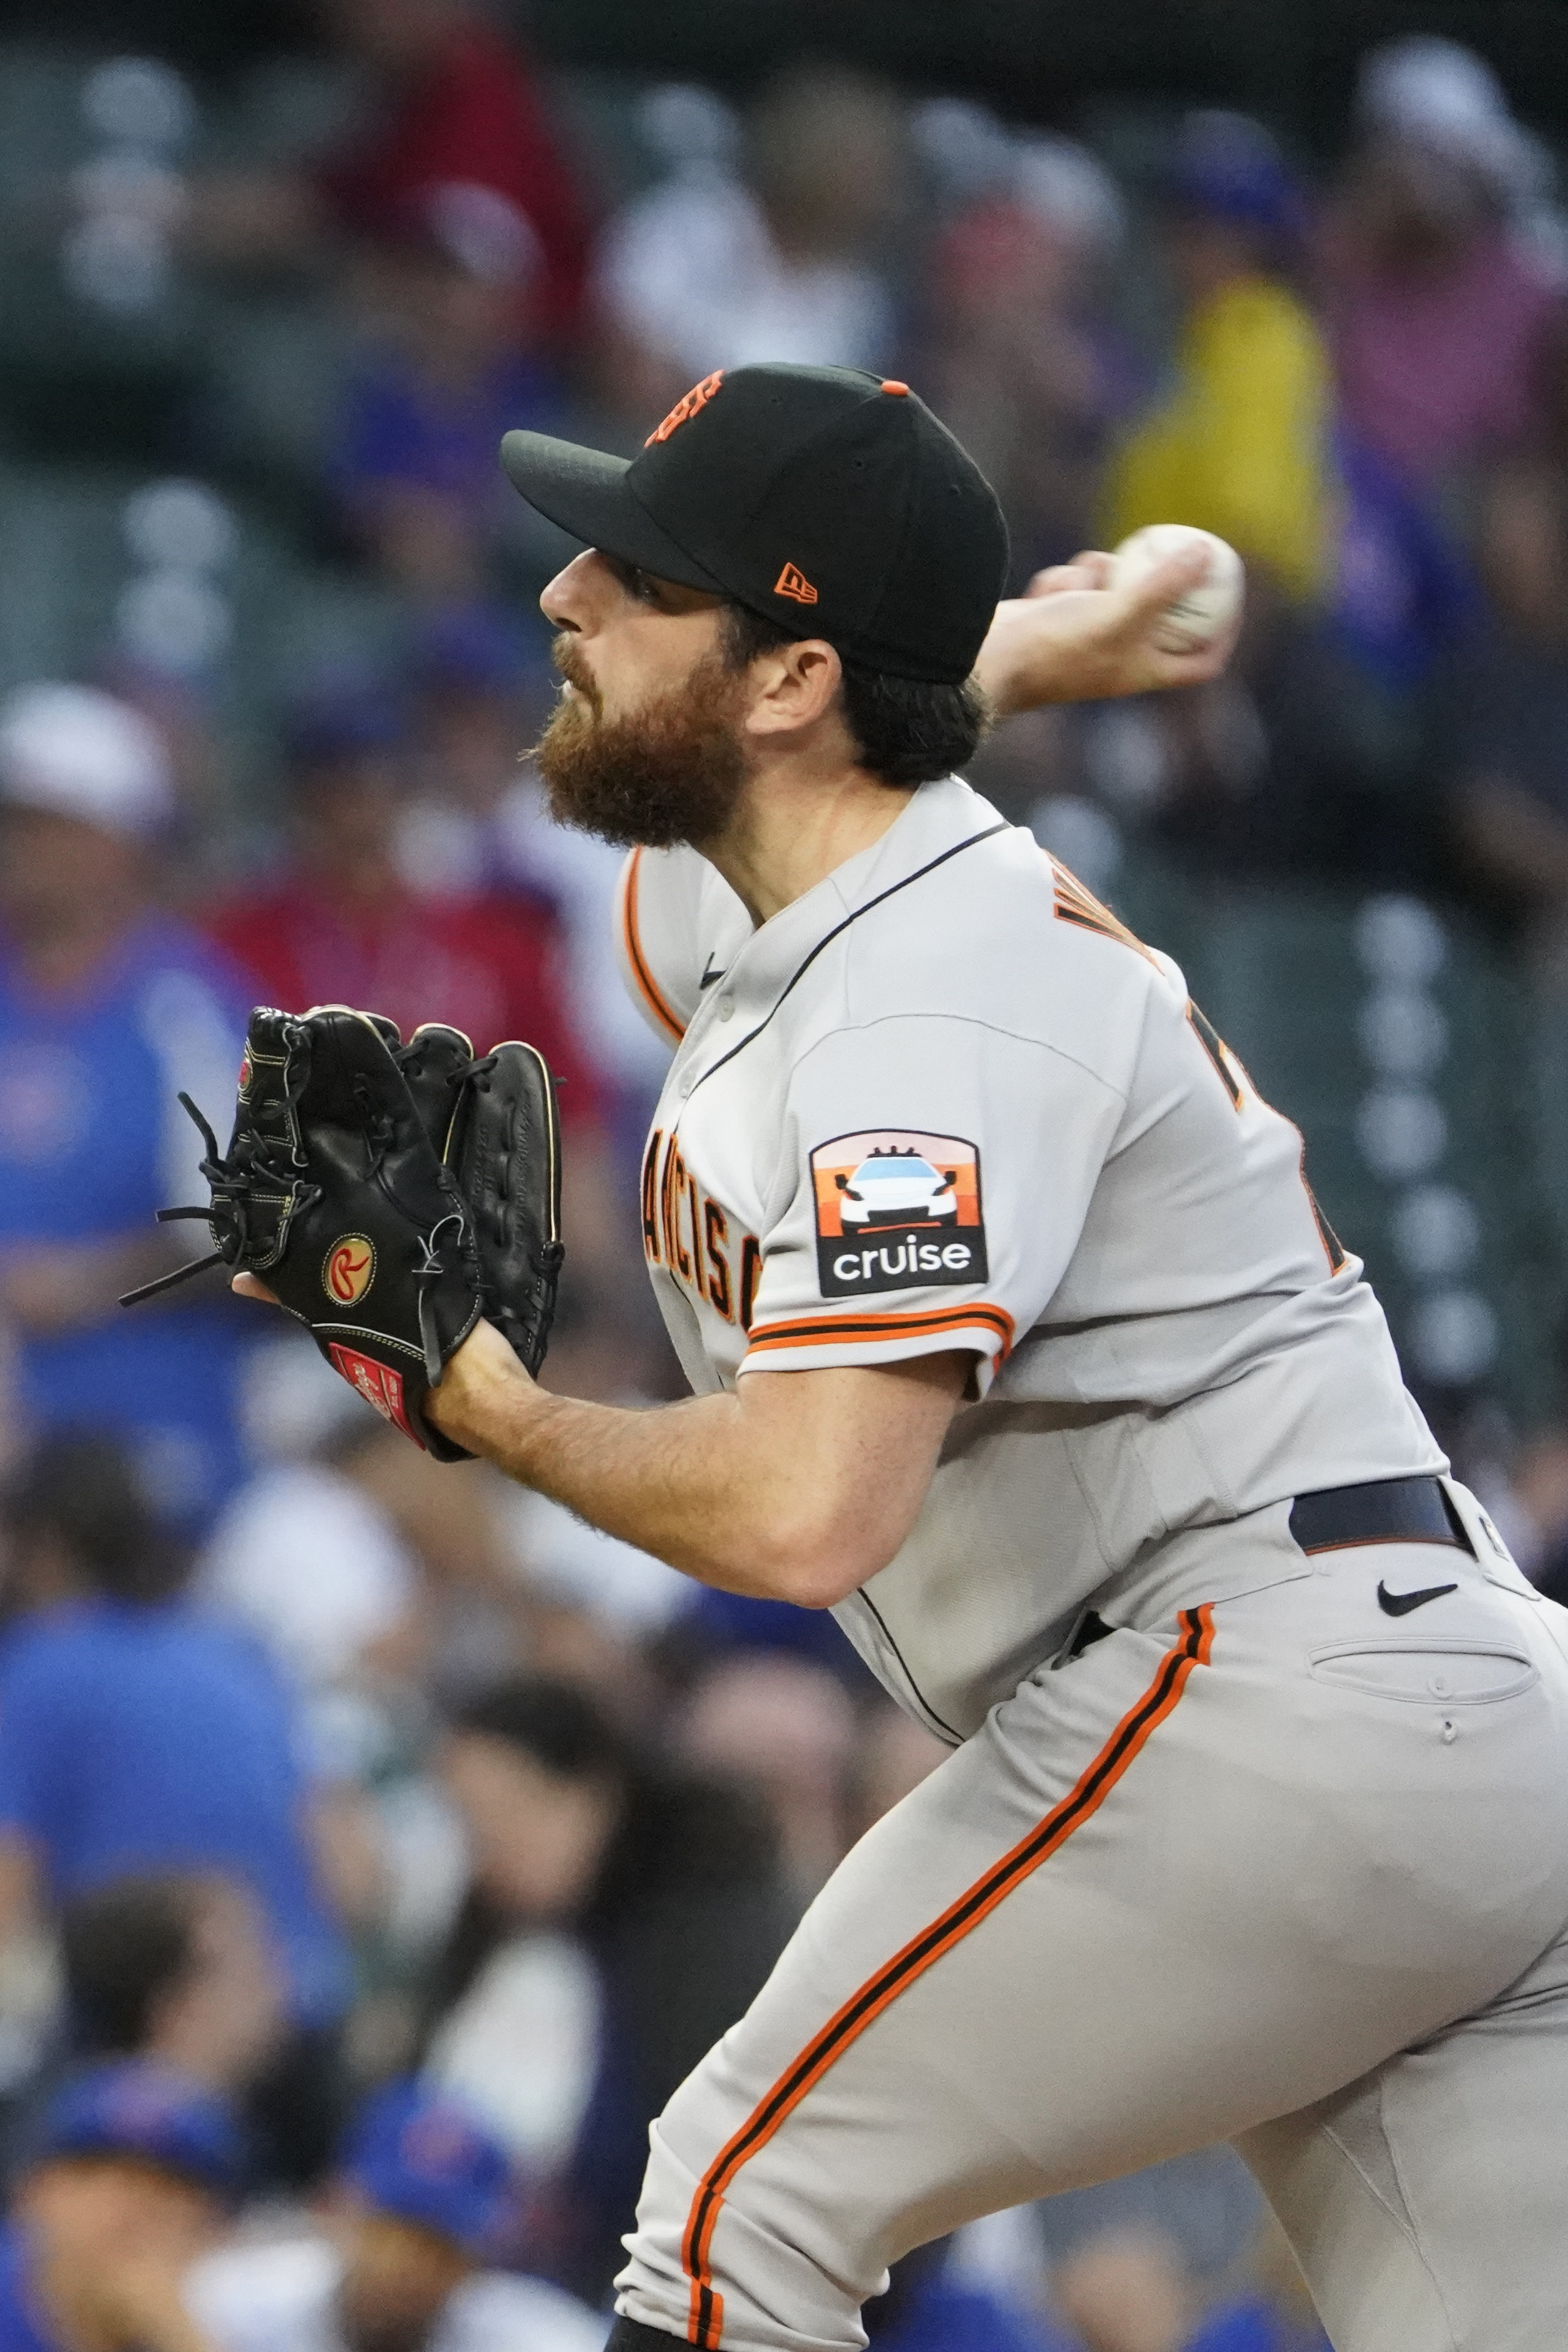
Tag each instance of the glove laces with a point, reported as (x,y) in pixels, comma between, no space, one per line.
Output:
(233,1181)
(426,1274)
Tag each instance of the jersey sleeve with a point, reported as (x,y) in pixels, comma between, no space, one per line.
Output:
(937,1176)
(678,925)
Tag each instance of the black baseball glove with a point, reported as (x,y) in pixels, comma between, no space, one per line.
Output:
(333,1193)
(493,1119)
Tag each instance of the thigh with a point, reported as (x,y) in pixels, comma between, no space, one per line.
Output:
(1170,1890)
(1427,2201)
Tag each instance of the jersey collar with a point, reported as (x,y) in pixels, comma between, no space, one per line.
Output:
(938,817)
(941,820)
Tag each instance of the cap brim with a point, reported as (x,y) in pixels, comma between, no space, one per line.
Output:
(585,492)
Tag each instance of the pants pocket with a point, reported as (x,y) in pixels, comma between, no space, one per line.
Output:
(1457,1673)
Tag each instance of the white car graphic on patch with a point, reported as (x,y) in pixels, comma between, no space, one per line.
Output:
(897,1188)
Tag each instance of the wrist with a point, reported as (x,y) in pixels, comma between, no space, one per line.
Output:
(486,1401)
(995,669)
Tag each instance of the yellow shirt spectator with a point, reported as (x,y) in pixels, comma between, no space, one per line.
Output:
(1240,447)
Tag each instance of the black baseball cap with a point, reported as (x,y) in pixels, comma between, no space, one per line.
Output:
(824,499)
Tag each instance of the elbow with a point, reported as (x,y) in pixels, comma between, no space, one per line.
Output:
(815,1563)
(820,1584)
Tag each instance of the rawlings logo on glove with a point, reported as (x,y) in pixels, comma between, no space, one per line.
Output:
(350,1269)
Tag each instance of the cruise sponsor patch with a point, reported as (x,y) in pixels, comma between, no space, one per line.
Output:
(897,1210)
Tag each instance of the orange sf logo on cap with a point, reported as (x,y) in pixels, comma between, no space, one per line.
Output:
(245,1073)
(792,582)
(687,408)
(349,1269)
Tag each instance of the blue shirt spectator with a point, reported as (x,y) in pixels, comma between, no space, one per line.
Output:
(951,2318)
(396,428)
(108,1008)
(136,1733)
(1255,2325)
(456,363)
(424,2196)
(1403,593)
(127,2179)
(20,2324)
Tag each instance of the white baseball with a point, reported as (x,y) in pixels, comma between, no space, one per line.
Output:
(1198,614)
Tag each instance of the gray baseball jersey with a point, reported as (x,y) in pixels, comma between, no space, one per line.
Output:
(946,1100)
(1280,1853)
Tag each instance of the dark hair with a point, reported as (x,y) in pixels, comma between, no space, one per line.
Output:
(84,1491)
(555,1722)
(124,1948)
(908,730)
(677,1836)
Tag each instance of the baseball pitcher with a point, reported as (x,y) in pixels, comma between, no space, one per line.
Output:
(1019,1342)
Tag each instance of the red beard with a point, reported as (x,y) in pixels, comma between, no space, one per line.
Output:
(672,771)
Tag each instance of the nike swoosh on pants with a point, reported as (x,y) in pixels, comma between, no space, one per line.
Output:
(1400,1604)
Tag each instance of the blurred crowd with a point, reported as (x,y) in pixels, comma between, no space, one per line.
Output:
(379,1846)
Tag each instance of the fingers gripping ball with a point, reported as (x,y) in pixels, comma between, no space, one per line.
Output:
(332,1192)
(1200,613)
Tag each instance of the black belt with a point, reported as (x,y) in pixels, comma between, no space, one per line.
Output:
(1335,1518)
(1390,1510)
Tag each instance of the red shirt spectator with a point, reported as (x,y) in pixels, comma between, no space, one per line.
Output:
(481,964)
(1442,369)
(340,927)
(459,106)
(1443,317)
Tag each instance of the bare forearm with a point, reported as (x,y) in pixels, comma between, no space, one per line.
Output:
(797,1488)
(1076,636)
(680,1480)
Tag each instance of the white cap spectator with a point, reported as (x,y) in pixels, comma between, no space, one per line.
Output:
(81,753)
(703,270)
(1438,95)
(1071,191)
(964,147)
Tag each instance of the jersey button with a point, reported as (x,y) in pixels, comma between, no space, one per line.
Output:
(686,1083)
(726,1007)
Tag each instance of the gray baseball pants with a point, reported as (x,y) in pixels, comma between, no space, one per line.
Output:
(1281,1869)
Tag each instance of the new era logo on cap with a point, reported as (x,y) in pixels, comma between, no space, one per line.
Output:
(792,582)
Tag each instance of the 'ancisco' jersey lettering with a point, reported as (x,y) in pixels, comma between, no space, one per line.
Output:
(946,1100)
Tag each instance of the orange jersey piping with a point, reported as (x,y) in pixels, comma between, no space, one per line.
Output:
(863,2007)
(637,962)
(841,1330)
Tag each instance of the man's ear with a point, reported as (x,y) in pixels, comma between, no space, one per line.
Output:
(794,687)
